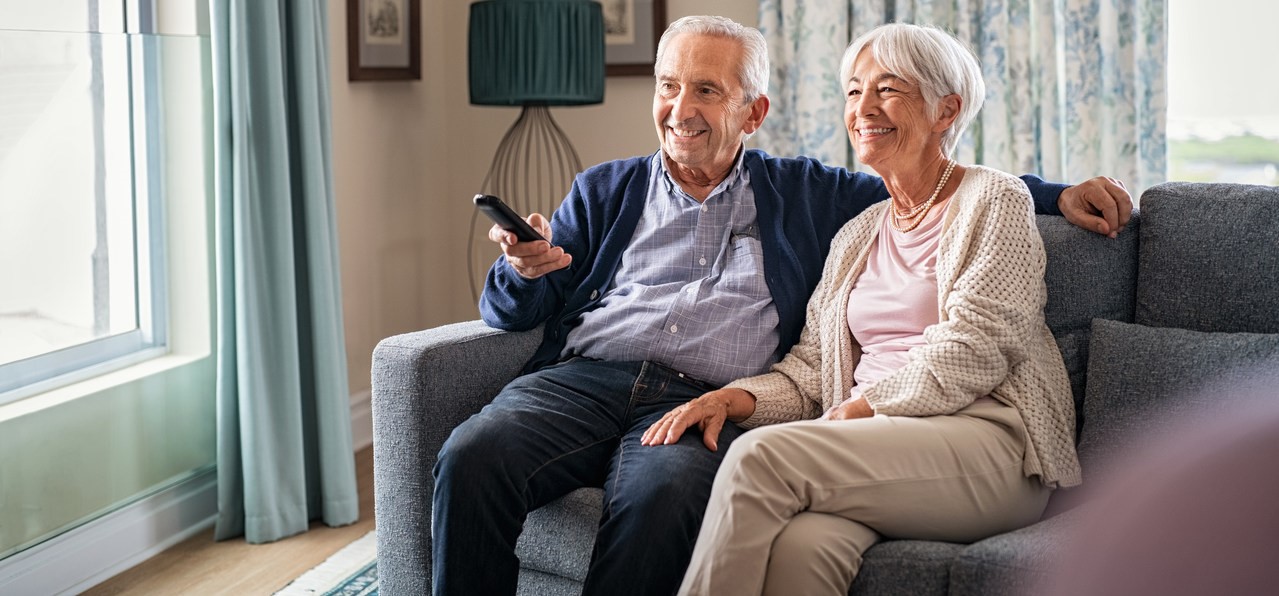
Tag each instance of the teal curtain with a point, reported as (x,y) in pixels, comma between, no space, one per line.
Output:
(284,430)
(1075,88)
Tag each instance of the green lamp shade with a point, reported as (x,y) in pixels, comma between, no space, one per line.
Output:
(543,52)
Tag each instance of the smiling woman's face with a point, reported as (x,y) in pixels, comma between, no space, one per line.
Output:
(887,117)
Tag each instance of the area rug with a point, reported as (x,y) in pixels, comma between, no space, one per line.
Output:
(351,571)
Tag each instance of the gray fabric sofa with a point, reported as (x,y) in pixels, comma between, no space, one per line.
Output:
(1192,284)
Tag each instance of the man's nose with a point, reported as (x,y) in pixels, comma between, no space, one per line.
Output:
(682,107)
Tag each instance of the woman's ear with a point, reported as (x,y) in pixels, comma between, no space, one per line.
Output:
(947,111)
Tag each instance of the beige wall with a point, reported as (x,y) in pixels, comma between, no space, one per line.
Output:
(409,155)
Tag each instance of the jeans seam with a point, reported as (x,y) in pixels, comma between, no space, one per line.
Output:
(621,443)
(617,479)
(562,456)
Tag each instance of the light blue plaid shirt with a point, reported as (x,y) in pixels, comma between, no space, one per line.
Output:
(690,290)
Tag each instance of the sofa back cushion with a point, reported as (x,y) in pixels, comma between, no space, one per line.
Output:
(1144,380)
(1209,257)
(1089,276)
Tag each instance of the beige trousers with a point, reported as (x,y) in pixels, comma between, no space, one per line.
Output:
(795,505)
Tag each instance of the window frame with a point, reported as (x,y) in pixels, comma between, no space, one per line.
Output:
(44,372)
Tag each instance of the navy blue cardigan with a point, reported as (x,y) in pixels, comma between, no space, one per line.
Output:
(800,205)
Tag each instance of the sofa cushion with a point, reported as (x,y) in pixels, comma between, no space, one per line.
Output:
(1012,563)
(558,537)
(1208,257)
(1141,379)
(536,583)
(1190,513)
(906,567)
(1088,276)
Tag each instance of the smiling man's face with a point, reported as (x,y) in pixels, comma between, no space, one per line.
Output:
(698,104)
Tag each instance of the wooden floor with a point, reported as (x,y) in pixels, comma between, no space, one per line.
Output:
(201,566)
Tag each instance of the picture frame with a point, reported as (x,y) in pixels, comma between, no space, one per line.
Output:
(631,31)
(383,40)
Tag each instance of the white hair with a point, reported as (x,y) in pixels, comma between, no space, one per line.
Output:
(931,58)
(753,71)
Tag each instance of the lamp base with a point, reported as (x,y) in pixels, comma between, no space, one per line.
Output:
(532,171)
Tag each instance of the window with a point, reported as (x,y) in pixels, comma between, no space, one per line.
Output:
(80,257)
(136,120)
(1223,102)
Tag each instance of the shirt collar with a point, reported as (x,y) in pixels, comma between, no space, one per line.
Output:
(735,174)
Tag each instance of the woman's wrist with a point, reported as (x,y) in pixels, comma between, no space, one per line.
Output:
(739,404)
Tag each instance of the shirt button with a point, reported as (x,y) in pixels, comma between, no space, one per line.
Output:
(705,207)
(701,261)
(674,328)
(595,294)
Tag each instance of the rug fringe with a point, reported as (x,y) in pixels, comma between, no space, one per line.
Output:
(336,569)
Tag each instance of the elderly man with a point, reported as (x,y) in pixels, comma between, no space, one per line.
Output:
(665,276)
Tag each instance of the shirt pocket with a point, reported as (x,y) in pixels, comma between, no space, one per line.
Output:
(743,273)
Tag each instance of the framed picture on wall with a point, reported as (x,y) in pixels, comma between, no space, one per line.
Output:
(631,31)
(383,40)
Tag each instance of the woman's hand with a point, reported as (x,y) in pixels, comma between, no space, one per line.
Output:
(850,409)
(708,411)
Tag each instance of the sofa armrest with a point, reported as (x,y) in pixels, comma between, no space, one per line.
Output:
(425,384)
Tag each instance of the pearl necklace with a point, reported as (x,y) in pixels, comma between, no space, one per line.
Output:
(915,216)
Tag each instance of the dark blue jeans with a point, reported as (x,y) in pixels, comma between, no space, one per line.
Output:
(548,433)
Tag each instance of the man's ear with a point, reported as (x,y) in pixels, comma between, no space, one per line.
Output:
(947,111)
(759,109)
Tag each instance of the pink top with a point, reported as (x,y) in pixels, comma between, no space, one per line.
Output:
(895,297)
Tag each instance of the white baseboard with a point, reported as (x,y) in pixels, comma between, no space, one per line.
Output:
(90,554)
(362,419)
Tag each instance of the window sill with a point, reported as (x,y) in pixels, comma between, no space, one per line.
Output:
(38,400)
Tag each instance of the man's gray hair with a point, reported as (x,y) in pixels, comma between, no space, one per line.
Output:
(931,58)
(754,68)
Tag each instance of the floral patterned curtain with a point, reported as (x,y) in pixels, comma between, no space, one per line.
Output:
(1075,88)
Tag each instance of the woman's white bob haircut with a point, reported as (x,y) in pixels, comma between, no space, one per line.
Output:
(931,58)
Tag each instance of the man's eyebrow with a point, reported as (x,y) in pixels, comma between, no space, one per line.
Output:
(664,78)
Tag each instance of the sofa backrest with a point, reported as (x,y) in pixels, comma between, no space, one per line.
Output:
(1209,258)
(1089,276)
(1206,313)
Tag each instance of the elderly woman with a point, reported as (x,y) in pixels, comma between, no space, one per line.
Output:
(944,405)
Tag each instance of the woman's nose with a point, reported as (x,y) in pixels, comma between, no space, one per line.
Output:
(868,105)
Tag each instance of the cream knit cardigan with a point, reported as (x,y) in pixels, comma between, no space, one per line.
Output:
(991,338)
